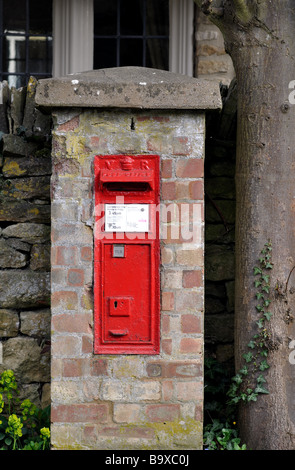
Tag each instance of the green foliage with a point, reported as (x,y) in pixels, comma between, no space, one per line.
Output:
(220,436)
(23,427)
(249,382)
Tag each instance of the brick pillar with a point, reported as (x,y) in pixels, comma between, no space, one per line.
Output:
(127,401)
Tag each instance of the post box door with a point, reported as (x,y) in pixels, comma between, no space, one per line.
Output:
(127,294)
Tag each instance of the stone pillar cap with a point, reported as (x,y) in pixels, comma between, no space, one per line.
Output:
(128,87)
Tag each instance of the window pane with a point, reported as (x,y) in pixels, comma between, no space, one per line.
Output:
(105,17)
(14,15)
(40,21)
(105,53)
(131,52)
(131,17)
(157,14)
(157,53)
(14,54)
(40,53)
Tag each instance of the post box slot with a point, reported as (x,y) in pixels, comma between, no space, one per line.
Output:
(126,186)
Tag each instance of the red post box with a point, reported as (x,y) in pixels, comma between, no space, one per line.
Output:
(127,255)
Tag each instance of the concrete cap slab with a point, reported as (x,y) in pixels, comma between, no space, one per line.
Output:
(128,87)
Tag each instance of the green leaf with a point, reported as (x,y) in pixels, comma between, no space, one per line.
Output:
(260,379)
(267,315)
(257,271)
(251,344)
(244,370)
(264,365)
(260,389)
(248,356)
(260,323)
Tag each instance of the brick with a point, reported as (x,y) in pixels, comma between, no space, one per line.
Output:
(76,323)
(166,169)
(171,370)
(191,324)
(64,345)
(157,144)
(87,344)
(172,279)
(191,345)
(154,370)
(181,146)
(137,432)
(64,299)
(64,255)
(193,257)
(167,346)
(80,413)
(166,255)
(190,168)
(86,253)
(165,324)
(189,391)
(159,413)
(167,301)
(196,190)
(169,190)
(75,277)
(69,125)
(167,390)
(126,413)
(192,278)
(188,300)
(98,366)
(72,367)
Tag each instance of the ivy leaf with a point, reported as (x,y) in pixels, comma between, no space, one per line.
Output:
(260,379)
(244,370)
(261,389)
(257,271)
(264,365)
(251,344)
(267,315)
(259,295)
(260,323)
(248,356)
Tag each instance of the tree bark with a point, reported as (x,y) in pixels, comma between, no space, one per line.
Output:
(259,36)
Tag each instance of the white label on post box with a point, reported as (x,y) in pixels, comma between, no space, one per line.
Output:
(126,217)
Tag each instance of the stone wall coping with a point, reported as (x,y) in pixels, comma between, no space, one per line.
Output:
(128,87)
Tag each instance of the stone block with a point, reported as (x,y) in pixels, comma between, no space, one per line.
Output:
(28,232)
(9,323)
(220,263)
(15,145)
(11,258)
(36,322)
(24,356)
(24,289)
(23,211)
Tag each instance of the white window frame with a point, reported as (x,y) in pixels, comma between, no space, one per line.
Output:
(73,36)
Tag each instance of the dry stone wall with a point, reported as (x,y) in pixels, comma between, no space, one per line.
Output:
(25,167)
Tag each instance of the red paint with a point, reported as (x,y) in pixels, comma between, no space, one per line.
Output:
(126,264)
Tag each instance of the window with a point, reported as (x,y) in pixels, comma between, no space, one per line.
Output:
(131,32)
(25,40)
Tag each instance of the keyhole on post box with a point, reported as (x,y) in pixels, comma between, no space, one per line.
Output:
(115,304)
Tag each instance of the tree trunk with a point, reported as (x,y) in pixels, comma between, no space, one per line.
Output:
(259,36)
